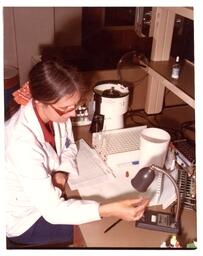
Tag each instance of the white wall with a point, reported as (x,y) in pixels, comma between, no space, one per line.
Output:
(34,27)
(10,53)
(27,28)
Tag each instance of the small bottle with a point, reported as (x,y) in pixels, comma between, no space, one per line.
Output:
(176,69)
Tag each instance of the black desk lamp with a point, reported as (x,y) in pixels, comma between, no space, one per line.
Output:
(153,220)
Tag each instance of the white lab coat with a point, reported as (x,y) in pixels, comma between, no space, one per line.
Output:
(29,162)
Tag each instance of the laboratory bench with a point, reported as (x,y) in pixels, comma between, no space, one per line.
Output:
(125,234)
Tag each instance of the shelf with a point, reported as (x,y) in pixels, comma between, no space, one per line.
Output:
(182,87)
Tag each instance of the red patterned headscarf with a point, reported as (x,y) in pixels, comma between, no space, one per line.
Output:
(22,95)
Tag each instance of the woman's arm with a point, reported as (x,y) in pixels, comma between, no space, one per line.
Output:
(66,147)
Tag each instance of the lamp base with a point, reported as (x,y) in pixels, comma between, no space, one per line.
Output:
(158,221)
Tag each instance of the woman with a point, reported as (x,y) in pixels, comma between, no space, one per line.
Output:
(40,153)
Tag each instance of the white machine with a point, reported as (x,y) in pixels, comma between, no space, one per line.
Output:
(111,103)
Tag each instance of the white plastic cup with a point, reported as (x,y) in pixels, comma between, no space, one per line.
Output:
(153,147)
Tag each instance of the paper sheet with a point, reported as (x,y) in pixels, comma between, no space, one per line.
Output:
(92,170)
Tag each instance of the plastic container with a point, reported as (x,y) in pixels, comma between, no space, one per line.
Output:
(176,69)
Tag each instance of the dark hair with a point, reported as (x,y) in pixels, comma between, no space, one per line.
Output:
(51,80)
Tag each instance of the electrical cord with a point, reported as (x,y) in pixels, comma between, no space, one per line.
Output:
(133,114)
(134,60)
(176,133)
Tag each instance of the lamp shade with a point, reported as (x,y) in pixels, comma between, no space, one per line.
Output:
(143,179)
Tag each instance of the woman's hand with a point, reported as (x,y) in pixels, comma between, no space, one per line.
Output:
(129,209)
(59,179)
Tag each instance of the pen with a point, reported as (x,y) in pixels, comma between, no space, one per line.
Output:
(135,162)
(114,224)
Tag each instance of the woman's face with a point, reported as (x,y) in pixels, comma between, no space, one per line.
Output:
(61,110)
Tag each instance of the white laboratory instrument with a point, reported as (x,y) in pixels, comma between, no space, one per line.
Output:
(111,103)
